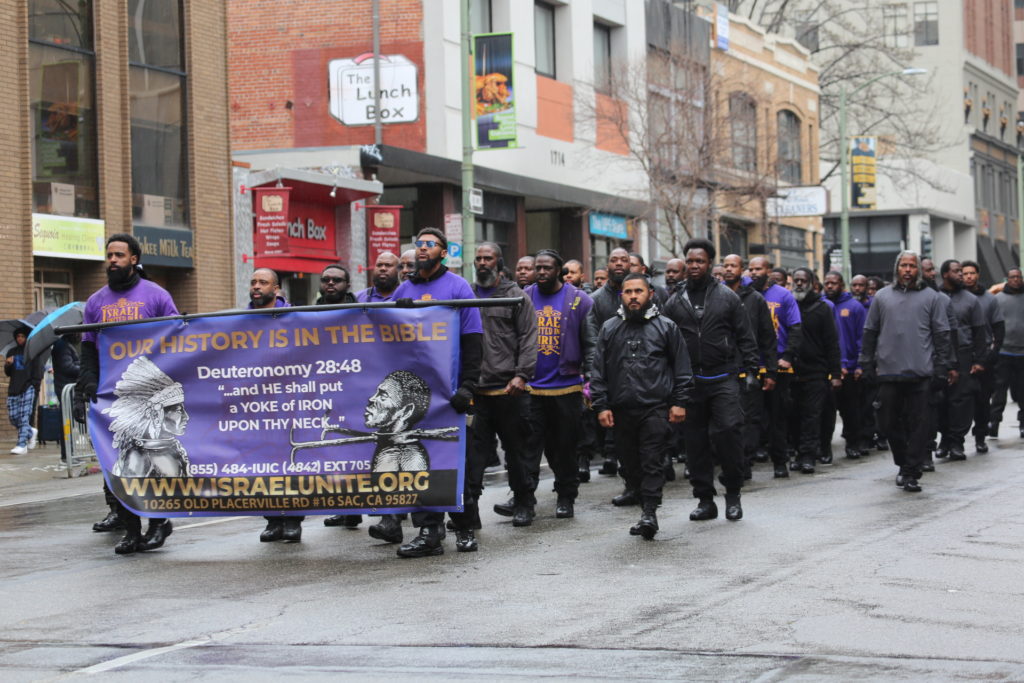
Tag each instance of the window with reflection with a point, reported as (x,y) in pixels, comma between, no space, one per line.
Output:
(157,82)
(790,158)
(62,108)
(743,121)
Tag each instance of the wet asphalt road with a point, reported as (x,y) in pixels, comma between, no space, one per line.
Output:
(836,575)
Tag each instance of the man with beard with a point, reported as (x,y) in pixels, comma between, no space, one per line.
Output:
(126,296)
(334,284)
(905,344)
(556,397)
(1010,367)
(606,303)
(764,336)
(433,280)
(859,289)
(927,274)
(385,279)
(600,277)
(817,364)
(408,264)
(501,401)
(265,292)
(674,275)
(785,315)
(721,346)
(969,351)
(640,383)
(526,274)
(850,315)
(995,329)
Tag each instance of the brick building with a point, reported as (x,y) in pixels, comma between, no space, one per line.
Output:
(553,186)
(114,119)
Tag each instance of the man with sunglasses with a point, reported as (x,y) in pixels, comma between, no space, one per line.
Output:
(432,280)
(334,284)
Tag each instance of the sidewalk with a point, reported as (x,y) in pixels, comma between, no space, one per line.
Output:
(40,475)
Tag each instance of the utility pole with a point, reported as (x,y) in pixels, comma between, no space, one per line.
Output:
(377,134)
(468,222)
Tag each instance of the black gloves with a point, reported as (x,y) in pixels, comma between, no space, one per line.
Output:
(84,394)
(461,399)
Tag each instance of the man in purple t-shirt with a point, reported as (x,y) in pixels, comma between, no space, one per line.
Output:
(126,296)
(556,399)
(786,318)
(432,280)
(385,279)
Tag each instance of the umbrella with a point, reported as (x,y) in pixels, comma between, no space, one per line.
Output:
(43,335)
(7,327)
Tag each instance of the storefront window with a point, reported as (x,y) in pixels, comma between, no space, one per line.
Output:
(63,118)
(158,120)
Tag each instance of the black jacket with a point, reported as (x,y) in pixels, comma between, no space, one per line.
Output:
(761,325)
(23,375)
(719,341)
(818,356)
(606,305)
(510,338)
(65,364)
(640,364)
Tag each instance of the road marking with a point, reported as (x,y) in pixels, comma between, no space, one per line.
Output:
(137,656)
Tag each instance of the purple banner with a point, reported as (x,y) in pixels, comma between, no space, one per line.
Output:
(340,411)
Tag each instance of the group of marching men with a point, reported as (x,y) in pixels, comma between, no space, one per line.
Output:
(730,364)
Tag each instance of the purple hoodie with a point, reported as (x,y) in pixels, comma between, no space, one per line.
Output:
(850,317)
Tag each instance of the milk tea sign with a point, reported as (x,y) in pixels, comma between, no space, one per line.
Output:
(352,90)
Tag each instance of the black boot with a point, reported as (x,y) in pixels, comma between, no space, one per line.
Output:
(648,524)
(109,523)
(292,530)
(670,471)
(157,533)
(564,508)
(274,530)
(523,516)
(733,509)
(132,540)
(609,467)
(426,544)
(706,509)
(506,509)
(583,466)
(626,498)
(465,541)
(389,529)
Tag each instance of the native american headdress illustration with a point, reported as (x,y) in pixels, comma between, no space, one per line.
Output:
(143,392)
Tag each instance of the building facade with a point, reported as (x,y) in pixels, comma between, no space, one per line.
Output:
(301,99)
(114,120)
(957,199)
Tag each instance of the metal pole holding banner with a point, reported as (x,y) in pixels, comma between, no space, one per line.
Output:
(405,303)
(468,221)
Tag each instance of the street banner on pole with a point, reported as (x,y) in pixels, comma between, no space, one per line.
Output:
(382,223)
(270,209)
(333,411)
(495,92)
(863,173)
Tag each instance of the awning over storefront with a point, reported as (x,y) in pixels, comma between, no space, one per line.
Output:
(318,216)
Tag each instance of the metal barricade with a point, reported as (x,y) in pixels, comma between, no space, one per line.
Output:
(78,445)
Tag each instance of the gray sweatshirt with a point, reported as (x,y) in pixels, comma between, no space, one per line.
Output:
(1012,306)
(906,335)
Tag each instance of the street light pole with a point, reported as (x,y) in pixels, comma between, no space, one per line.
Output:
(844,152)
(468,219)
